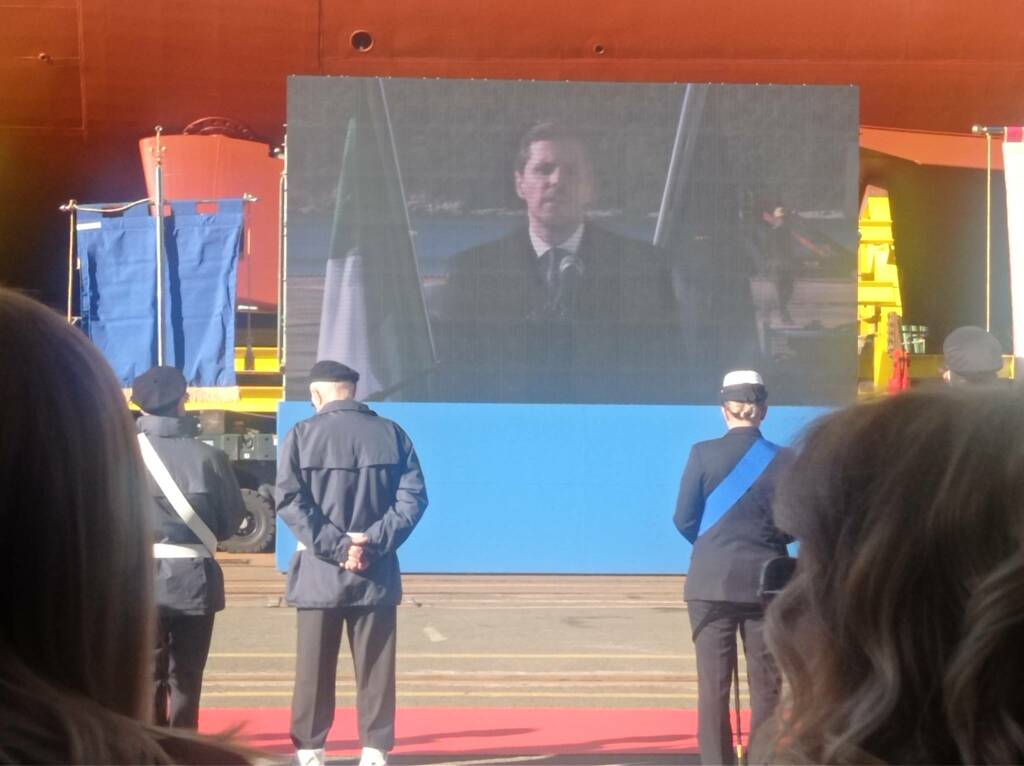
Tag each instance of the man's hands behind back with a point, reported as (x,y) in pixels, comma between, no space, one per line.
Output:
(359,555)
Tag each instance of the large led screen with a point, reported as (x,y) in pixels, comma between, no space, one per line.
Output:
(571,242)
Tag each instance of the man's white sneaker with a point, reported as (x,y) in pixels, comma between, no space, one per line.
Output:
(310,757)
(373,757)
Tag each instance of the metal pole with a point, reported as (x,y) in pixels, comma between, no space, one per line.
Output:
(988,232)
(158,152)
(386,121)
(282,228)
(988,131)
(283,278)
(682,154)
(250,355)
(72,230)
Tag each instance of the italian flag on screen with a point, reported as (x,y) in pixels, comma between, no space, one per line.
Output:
(1013,162)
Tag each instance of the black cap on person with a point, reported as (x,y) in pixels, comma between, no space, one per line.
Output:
(971,351)
(329,371)
(158,390)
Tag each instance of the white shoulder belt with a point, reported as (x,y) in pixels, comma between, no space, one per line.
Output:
(182,507)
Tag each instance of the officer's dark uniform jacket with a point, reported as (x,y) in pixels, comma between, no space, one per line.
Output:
(204,475)
(348,470)
(727,558)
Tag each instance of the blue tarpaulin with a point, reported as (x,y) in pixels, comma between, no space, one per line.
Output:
(117,253)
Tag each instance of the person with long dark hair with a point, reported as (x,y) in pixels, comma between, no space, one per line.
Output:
(900,636)
(75,559)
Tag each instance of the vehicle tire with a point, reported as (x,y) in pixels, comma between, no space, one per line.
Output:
(256,533)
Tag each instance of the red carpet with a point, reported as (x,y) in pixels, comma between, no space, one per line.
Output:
(486,731)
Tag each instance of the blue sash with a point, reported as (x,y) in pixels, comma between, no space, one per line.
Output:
(739,480)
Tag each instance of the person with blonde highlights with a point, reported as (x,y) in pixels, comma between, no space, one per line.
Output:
(75,562)
(724,509)
(900,635)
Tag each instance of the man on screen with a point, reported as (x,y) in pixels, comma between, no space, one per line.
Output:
(560,309)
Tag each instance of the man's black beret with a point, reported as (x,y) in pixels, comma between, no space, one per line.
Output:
(970,350)
(329,371)
(159,389)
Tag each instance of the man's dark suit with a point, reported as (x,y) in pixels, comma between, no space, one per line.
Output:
(501,340)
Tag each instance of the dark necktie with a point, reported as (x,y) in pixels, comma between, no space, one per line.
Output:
(549,269)
(561,270)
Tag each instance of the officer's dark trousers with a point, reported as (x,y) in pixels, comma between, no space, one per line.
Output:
(716,657)
(371,638)
(182,646)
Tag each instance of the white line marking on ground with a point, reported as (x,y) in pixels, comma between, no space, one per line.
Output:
(433,635)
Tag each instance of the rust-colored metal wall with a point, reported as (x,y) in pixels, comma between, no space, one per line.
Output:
(110,65)
(926,64)
(83,80)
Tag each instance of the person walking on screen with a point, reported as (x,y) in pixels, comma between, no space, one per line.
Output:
(197,503)
(350,487)
(724,510)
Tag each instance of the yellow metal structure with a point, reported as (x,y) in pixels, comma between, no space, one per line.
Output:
(264,359)
(256,397)
(878,295)
(261,399)
(878,289)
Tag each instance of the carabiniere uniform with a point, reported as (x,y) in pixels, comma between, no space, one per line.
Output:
(188,590)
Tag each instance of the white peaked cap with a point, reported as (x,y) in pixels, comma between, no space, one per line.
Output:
(741,378)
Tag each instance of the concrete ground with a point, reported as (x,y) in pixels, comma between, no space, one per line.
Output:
(476,641)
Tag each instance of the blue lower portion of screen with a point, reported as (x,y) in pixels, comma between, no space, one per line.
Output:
(550,488)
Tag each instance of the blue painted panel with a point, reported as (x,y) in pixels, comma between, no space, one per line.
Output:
(551,488)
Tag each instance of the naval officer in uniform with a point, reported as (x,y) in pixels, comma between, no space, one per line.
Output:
(724,510)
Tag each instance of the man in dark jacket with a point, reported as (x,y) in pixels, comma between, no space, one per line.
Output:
(189,582)
(724,509)
(349,486)
(546,312)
